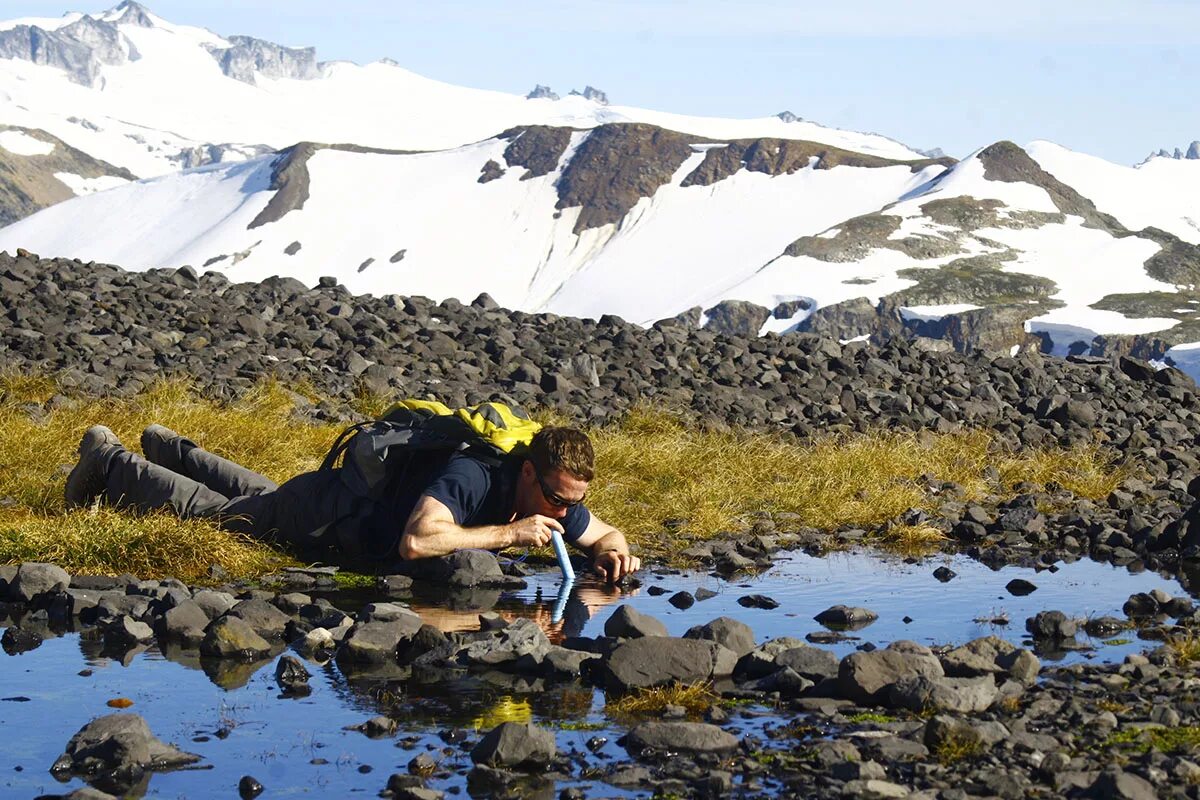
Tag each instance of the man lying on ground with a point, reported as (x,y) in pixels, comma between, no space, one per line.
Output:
(443,506)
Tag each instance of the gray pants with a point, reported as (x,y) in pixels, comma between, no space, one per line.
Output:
(304,511)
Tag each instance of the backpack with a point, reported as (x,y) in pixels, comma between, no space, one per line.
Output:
(378,455)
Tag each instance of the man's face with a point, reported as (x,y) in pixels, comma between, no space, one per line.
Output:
(550,494)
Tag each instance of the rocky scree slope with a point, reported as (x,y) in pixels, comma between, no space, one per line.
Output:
(106,331)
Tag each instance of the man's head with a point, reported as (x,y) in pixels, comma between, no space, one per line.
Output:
(556,472)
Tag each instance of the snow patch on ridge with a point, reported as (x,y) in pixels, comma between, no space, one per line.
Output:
(22,144)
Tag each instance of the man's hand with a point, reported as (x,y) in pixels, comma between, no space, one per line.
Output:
(533,531)
(612,565)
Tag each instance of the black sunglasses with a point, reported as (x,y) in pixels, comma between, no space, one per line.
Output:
(553,497)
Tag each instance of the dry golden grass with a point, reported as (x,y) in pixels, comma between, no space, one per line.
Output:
(34,455)
(652,466)
(696,698)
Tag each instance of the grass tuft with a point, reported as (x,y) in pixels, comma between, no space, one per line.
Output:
(1185,648)
(1179,740)
(696,698)
(958,746)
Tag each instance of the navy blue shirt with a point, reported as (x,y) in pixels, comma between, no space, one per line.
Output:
(480,494)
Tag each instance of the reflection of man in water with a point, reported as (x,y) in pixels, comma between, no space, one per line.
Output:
(585,601)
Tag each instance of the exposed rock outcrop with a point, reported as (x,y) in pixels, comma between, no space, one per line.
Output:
(247,57)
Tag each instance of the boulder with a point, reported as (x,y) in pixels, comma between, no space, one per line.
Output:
(726,631)
(214,603)
(865,677)
(232,637)
(626,623)
(266,620)
(661,661)
(291,675)
(121,747)
(760,661)
(813,663)
(677,737)
(376,642)
(522,640)
(33,579)
(513,744)
(961,695)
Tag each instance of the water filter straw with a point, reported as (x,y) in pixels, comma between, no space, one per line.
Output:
(560,602)
(560,552)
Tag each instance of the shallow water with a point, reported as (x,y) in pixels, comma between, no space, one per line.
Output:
(232,714)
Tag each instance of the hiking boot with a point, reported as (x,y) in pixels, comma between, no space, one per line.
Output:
(86,481)
(156,445)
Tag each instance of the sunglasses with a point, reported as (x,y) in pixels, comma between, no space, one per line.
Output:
(552,497)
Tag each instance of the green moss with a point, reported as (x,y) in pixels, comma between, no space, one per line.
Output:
(1116,642)
(979,280)
(581,725)
(870,716)
(1174,741)
(353,580)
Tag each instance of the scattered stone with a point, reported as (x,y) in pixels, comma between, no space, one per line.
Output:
(660,661)
(121,748)
(945,574)
(674,737)
(758,601)
(682,600)
(845,618)
(232,637)
(292,676)
(249,787)
(514,745)
(1019,587)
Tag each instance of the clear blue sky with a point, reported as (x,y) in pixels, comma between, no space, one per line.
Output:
(1115,79)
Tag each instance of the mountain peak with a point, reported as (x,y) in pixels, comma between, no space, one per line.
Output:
(129,12)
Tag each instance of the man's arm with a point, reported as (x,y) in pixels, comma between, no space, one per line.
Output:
(609,550)
(432,531)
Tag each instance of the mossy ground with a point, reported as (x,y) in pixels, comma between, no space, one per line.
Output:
(652,466)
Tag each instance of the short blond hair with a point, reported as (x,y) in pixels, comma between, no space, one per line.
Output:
(561,448)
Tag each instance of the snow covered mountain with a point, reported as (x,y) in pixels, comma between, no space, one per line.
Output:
(576,206)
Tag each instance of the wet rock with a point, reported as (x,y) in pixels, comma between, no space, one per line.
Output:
(760,662)
(118,748)
(846,618)
(1051,625)
(33,579)
(377,642)
(660,661)
(813,663)
(249,787)
(758,601)
(626,623)
(726,631)
(1019,587)
(675,737)
(292,676)
(127,631)
(512,744)
(317,643)
(682,600)
(522,644)
(395,584)
(703,594)
(232,637)
(265,619)
(185,623)
(945,574)
(1140,605)
(377,727)
(463,569)
(866,677)
(561,661)
(17,640)
(386,612)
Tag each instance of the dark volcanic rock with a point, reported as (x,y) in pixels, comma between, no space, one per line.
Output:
(512,744)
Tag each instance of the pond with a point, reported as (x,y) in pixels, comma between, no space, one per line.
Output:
(234,717)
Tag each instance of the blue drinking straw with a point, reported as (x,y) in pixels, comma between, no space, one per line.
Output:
(560,552)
